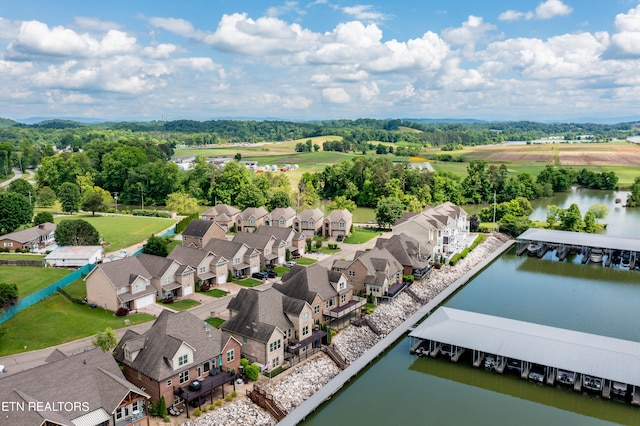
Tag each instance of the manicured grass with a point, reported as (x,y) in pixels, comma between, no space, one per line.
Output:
(361,235)
(181,305)
(56,320)
(305,261)
(324,250)
(215,292)
(123,231)
(281,270)
(19,256)
(30,278)
(77,289)
(215,321)
(248,282)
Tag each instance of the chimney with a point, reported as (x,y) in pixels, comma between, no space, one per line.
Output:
(41,226)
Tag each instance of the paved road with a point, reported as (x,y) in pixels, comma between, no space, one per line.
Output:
(209,307)
(17,174)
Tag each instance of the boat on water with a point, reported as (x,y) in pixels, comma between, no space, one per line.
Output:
(490,363)
(616,257)
(625,258)
(593,383)
(537,373)
(566,377)
(534,248)
(619,389)
(514,364)
(595,255)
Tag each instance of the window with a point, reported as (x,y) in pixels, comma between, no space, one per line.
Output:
(169,382)
(183,359)
(343,298)
(275,345)
(184,376)
(342,285)
(10,244)
(352,273)
(311,223)
(329,303)
(127,354)
(275,362)
(305,330)
(267,251)
(236,260)
(202,269)
(316,309)
(305,316)
(253,221)
(139,287)
(134,406)
(199,371)
(167,279)
(231,355)
(281,221)
(341,224)
(244,340)
(206,366)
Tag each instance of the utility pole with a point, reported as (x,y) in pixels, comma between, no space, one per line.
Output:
(115,197)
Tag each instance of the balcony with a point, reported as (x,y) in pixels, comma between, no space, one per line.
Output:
(134,418)
(354,304)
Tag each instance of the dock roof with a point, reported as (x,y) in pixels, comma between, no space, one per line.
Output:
(590,354)
(580,239)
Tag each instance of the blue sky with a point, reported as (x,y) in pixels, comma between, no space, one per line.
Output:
(321,59)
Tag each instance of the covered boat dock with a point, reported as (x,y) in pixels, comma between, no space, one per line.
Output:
(541,353)
(565,242)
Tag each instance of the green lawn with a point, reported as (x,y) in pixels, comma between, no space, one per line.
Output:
(56,320)
(215,292)
(21,256)
(325,250)
(361,235)
(123,231)
(181,305)
(77,289)
(281,270)
(248,282)
(30,278)
(215,321)
(305,261)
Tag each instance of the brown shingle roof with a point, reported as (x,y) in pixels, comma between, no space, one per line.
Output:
(198,228)
(30,234)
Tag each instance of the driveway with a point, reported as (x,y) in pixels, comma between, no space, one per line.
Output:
(17,174)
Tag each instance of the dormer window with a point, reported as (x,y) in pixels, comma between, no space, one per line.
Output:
(281,221)
(127,355)
(183,360)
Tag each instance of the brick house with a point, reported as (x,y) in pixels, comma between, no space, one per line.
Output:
(280,217)
(250,219)
(272,250)
(36,238)
(242,260)
(210,269)
(178,349)
(296,241)
(413,256)
(199,232)
(224,215)
(371,272)
(338,222)
(309,222)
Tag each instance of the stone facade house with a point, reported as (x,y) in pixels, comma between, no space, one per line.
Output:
(242,260)
(328,293)
(251,219)
(271,326)
(272,250)
(224,215)
(36,238)
(338,222)
(296,241)
(178,349)
(90,384)
(280,217)
(199,232)
(414,258)
(371,272)
(210,269)
(309,222)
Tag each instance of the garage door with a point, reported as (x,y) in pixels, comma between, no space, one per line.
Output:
(221,279)
(187,290)
(147,300)
(255,269)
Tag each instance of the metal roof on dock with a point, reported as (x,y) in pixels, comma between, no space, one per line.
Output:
(580,239)
(591,354)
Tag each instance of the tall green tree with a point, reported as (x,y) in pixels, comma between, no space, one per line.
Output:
(46,197)
(182,203)
(69,196)
(42,217)
(229,183)
(157,246)
(106,340)
(571,218)
(633,199)
(21,186)
(76,232)
(388,211)
(8,294)
(341,202)
(15,210)
(278,198)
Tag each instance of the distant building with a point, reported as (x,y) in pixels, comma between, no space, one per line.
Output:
(74,256)
(309,222)
(280,218)
(223,214)
(338,222)
(251,218)
(36,238)
(198,233)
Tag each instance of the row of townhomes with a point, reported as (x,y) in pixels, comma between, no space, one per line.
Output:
(208,255)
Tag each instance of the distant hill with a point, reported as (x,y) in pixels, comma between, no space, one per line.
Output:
(36,120)
(6,122)
(445,120)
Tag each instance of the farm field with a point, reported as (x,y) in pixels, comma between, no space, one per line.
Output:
(30,279)
(123,231)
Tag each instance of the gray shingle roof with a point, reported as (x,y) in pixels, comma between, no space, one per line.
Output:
(221,209)
(224,248)
(286,234)
(254,240)
(256,212)
(284,213)
(315,214)
(30,234)
(188,255)
(336,215)
(92,377)
(198,227)
(120,271)
(305,283)
(259,312)
(405,249)
(163,339)
(156,265)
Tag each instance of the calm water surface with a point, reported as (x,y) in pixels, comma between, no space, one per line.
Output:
(402,389)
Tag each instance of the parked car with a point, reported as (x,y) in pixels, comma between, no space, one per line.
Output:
(289,264)
(270,273)
(259,275)
(340,238)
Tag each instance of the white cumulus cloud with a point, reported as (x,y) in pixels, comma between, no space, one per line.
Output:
(545,10)
(336,95)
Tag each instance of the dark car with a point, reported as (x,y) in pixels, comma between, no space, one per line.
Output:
(259,275)
(340,238)
(270,273)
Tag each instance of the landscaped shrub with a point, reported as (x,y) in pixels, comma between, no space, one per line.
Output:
(228,398)
(150,213)
(166,419)
(407,278)
(212,407)
(121,312)
(234,394)
(332,246)
(219,403)
(180,226)
(204,409)
(197,412)
(162,407)
(252,372)
(456,257)
(464,253)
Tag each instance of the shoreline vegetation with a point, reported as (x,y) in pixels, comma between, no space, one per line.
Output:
(294,386)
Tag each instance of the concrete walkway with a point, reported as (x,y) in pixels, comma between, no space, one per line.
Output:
(17,174)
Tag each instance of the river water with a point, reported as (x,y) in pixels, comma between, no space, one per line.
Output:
(402,389)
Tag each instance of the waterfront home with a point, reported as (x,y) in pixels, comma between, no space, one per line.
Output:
(414,258)
(242,260)
(223,214)
(309,222)
(199,232)
(295,240)
(338,222)
(272,250)
(266,322)
(136,282)
(210,269)
(178,349)
(280,217)
(87,388)
(328,293)
(250,219)
(35,238)
(371,272)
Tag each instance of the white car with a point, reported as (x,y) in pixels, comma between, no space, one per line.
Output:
(289,264)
